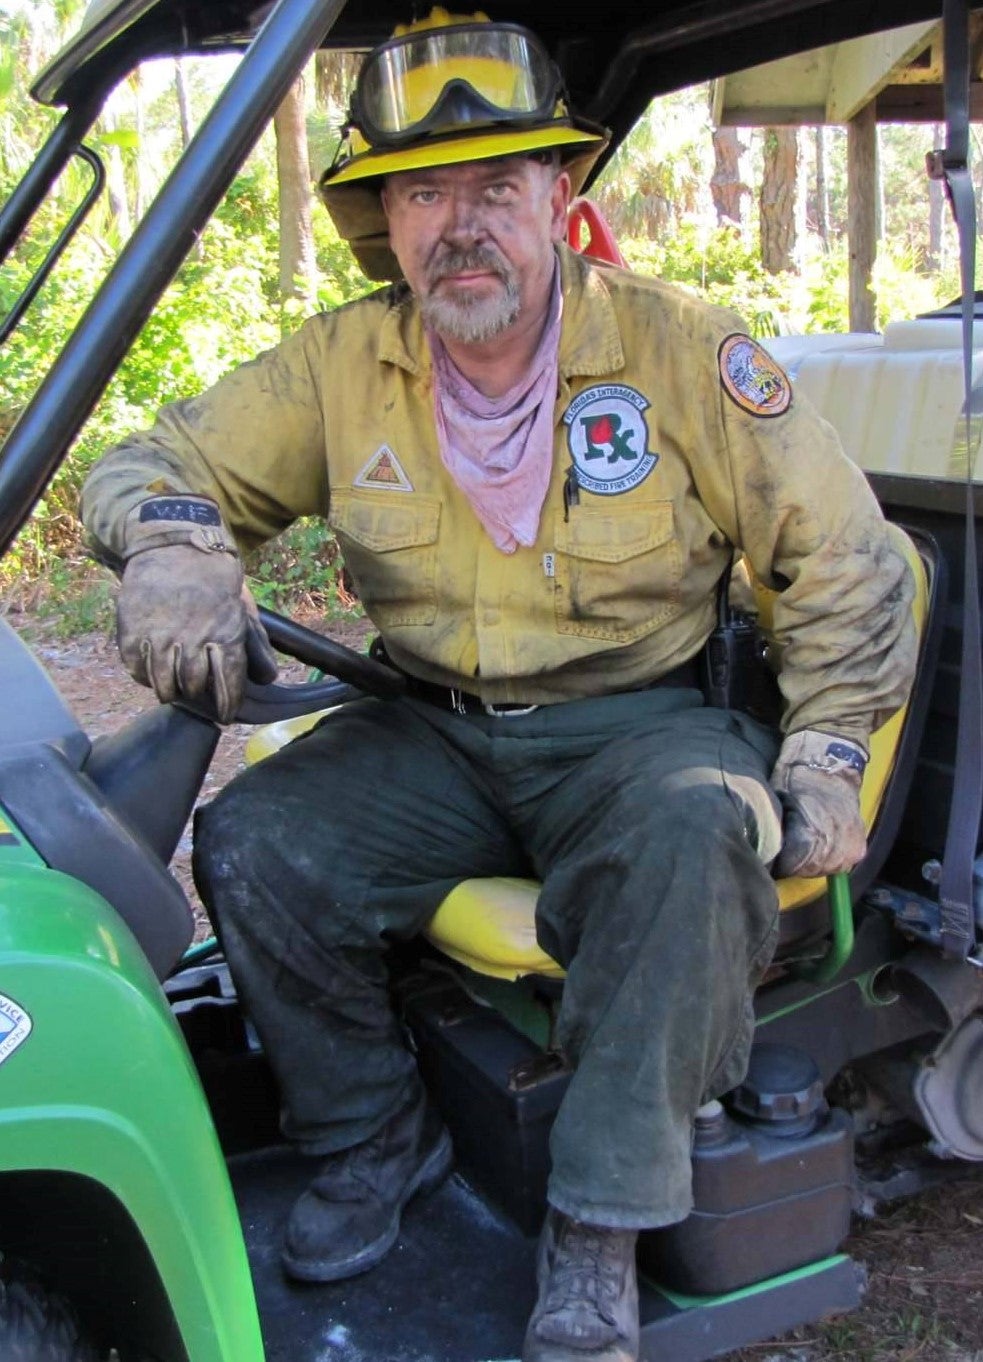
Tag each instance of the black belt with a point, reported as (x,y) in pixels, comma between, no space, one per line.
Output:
(463,702)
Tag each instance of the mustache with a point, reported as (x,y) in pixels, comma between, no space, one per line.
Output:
(453,261)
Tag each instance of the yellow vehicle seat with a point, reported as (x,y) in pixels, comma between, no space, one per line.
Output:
(489,925)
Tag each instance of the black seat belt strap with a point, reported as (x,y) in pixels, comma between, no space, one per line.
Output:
(958,920)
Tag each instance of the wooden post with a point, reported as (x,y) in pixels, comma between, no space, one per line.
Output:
(863,216)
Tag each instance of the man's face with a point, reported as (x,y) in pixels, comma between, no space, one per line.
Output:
(475,241)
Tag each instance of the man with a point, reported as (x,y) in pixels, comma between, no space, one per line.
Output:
(538,471)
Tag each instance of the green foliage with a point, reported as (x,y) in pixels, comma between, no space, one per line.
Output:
(902,290)
(74,598)
(655,192)
(725,268)
(659,173)
(828,307)
(720,266)
(339,277)
(901,287)
(126,138)
(222,309)
(8,64)
(302,566)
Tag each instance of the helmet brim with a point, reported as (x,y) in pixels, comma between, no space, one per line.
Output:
(351,193)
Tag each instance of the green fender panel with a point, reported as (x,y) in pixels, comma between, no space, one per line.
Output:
(95,1079)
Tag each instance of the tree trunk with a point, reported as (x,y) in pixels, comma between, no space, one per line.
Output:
(297,267)
(116,187)
(822,189)
(777,199)
(936,210)
(863,225)
(726,185)
(184,122)
(183,102)
(139,190)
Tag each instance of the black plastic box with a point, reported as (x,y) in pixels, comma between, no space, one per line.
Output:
(496,1090)
(763,1205)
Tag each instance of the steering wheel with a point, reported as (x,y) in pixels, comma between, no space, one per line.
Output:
(351,674)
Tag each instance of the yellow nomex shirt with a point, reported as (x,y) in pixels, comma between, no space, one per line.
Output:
(683,442)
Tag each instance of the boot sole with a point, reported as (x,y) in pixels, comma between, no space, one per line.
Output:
(427,1178)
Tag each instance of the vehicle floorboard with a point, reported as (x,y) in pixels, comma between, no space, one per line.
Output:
(458,1286)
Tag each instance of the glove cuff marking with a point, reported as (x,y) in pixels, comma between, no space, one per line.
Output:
(825,753)
(845,752)
(192,510)
(838,758)
(159,522)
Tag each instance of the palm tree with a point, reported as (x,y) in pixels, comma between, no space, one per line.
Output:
(297,263)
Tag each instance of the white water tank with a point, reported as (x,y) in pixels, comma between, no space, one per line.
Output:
(896,400)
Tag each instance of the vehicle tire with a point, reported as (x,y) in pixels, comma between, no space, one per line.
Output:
(37,1325)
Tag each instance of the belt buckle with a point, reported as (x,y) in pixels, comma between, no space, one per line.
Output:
(511,713)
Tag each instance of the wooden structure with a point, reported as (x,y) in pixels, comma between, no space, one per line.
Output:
(892,77)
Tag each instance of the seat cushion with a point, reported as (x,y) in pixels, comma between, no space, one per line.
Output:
(263,742)
(489,925)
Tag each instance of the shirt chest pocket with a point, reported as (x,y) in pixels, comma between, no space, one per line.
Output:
(390,548)
(618,571)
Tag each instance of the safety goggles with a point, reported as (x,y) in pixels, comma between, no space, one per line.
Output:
(452,78)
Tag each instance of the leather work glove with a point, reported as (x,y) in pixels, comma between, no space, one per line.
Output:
(185,623)
(817,778)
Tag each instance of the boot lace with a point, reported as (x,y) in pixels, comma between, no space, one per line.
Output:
(588,1271)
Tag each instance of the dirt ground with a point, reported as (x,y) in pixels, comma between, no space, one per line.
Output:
(923,1257)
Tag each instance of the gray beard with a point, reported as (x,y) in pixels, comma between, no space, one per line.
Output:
(472,320)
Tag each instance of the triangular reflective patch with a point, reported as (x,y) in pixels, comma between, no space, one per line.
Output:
(384,470)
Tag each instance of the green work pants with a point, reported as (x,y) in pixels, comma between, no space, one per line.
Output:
(648,819)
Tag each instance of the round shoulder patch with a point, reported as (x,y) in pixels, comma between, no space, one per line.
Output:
(752,379)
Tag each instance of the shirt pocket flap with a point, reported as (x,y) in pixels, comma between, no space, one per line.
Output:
(615,536)
(381,524)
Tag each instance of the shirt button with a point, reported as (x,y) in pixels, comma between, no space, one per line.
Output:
(492,617)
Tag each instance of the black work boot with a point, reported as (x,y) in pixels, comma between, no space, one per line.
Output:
(587,1310)
(348,1218)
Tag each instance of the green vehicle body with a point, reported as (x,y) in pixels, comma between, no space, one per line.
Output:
(103,1089)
